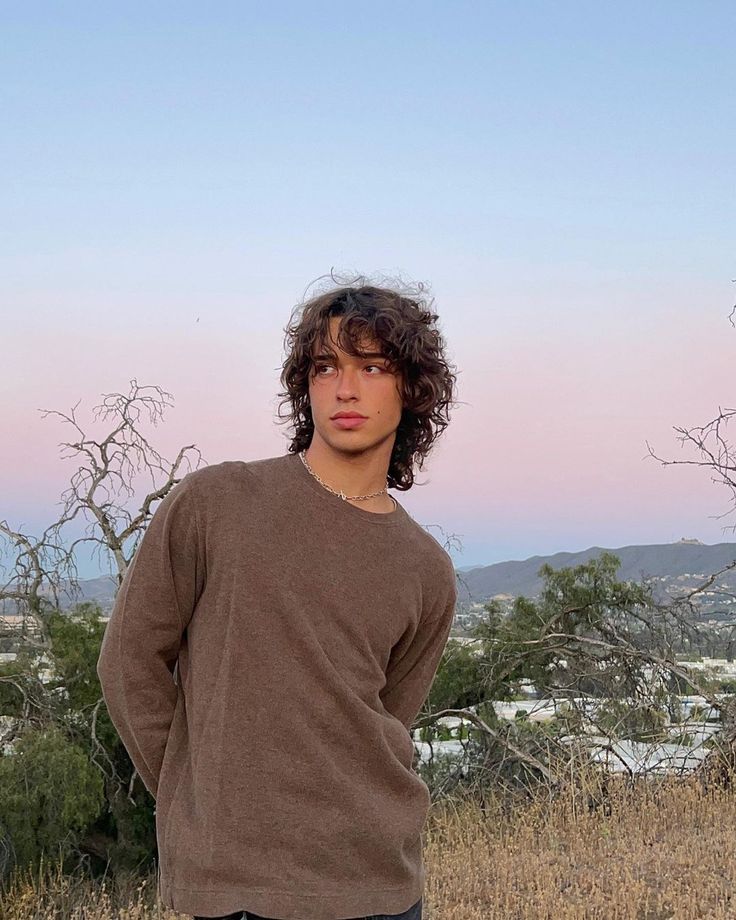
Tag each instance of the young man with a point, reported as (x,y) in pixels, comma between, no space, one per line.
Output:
(278,631)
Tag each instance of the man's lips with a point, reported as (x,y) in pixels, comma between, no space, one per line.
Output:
(348,422)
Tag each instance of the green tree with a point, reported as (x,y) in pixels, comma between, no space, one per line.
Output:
(588,637)
(49,794)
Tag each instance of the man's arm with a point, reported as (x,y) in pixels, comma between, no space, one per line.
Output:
(412,667)
(141,642)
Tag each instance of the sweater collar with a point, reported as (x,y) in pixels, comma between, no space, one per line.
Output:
(339,505)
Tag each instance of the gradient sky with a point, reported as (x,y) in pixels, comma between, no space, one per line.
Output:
(562,175)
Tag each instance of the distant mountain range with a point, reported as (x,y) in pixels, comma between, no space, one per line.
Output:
(684,561)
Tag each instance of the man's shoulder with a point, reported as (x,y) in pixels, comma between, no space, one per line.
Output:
(228,474)
(436,560)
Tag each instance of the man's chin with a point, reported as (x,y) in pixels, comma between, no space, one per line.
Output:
(351,442)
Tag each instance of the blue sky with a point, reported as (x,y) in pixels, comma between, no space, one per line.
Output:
(562,174)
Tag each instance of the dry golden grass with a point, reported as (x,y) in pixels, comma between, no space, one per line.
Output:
(662,852)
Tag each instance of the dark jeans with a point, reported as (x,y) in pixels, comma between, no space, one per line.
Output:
(413,913)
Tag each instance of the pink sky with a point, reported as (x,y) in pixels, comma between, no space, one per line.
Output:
(544,453)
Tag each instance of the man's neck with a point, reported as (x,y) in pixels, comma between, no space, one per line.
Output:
(355,474)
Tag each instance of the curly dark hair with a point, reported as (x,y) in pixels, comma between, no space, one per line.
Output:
(403,323)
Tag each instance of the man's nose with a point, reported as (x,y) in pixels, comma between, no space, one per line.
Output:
(347,383)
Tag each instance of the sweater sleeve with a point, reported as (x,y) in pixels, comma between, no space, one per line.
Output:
(141,642)
(413,665)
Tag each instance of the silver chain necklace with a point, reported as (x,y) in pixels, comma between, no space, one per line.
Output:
(341,494)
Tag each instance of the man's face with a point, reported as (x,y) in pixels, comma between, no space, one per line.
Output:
(340,382)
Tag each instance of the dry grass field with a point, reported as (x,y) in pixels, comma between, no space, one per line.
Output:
(655,852)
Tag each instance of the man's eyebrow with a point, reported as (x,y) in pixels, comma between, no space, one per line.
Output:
(331,357)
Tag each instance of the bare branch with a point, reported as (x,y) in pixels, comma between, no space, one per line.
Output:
(717,453)
(42,568)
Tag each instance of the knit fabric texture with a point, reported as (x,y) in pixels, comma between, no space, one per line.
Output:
(269,648)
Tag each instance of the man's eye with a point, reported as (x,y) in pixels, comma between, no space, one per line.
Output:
(319,368)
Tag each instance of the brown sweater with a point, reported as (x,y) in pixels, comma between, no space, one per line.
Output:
(269,648)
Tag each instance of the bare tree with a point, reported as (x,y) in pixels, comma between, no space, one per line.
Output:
(43,567)
(716,451)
